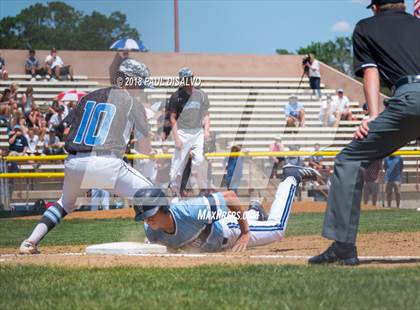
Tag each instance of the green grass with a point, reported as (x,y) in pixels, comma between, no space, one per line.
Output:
(72,232)
(209,287)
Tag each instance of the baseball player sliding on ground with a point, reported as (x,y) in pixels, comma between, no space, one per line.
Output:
(100,128)
(215,222)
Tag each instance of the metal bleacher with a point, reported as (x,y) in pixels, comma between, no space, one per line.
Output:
(245,111)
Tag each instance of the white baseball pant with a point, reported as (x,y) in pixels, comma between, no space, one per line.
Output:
(84,171)
(192,141)
(265,232)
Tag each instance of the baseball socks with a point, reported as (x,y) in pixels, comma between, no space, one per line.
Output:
(51,217)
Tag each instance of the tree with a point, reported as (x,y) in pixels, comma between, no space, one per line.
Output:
(337,54)
(59,25)
(282,51)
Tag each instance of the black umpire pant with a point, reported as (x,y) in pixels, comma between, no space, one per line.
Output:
(397,125)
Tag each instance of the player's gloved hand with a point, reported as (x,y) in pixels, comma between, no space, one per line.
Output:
(363,130)
(241,243)
(178,144)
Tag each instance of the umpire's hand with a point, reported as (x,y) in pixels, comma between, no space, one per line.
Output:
(363,130)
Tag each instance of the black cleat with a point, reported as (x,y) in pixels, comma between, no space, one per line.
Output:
(256,205)
(337,254)
(300,173)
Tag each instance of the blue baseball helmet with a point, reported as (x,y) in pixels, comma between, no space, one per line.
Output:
(148,201)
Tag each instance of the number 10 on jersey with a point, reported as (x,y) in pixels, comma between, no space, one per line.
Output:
(96,122)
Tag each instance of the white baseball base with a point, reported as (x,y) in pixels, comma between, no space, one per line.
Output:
(125,248)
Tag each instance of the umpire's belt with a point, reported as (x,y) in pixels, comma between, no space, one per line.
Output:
(409,79)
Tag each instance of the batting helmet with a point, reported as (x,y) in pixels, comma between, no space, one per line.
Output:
(148,201)
(131,68)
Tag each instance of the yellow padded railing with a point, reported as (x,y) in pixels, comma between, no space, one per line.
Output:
(165,156)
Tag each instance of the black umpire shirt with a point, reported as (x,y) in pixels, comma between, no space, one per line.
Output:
(389,41)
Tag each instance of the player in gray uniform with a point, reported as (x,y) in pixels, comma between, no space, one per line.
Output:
(100,128)
(190,121)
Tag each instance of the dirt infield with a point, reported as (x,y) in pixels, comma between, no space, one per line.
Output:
(298,207)
(292,250)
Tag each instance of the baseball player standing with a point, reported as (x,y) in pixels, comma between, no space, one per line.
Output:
(215,222)
(190,121)
(386,45)
(100,128)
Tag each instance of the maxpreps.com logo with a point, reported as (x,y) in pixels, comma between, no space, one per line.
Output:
(205,215)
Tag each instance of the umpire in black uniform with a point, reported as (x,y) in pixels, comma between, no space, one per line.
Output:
(386,46)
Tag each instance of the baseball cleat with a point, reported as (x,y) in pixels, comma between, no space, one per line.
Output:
(336,254)
(256,206)
(28,247)
(301,173)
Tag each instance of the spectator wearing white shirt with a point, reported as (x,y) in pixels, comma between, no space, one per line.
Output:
(328,113)
(57,119)
(343,106)
(55,66)
(33,140)
(314,75)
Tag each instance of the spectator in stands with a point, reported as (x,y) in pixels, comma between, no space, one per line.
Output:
(100,199)
(43,129)
(33,67)
(163,169)
(278,162)
(56,121)
(393,166)
(16,115)
(342,104)
(314,74)
(4,103)
(295,160)
(317,161)
(365,109)
(14,88)
(234,169)
(328,113)
(34,117)
(33,140)
(52,144)
(27,100)
(56,68)
(18,144)
(126,54)
(295,113)
(371,186)
(3,72)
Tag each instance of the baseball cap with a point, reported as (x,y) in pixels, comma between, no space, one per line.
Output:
(17,127)
(185,73)
(381,2)
(340,90)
